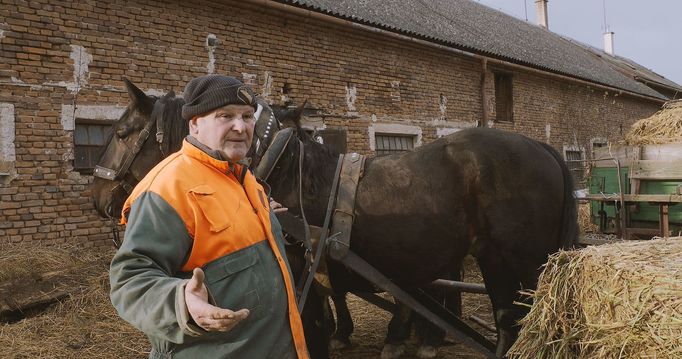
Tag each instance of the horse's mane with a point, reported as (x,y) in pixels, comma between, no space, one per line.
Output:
(168,110)
(319,160)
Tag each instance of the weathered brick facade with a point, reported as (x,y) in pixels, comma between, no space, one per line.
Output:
(59,57)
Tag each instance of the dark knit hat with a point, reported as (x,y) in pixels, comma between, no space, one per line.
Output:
(206,93)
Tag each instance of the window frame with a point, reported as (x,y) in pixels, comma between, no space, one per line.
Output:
(503,83)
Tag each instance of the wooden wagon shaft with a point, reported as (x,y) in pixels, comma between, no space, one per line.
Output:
(423,305)
(460,286)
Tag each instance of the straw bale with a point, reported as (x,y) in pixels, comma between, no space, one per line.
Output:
(83,325)
(665,126)
(620,300)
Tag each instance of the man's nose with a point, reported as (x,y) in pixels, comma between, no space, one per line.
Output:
(239,125)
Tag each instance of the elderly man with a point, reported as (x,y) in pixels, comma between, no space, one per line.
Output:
(201,270)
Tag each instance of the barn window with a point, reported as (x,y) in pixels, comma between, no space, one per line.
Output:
(598,143)
(388,144)
(504,100)
(574,157)
(89,139)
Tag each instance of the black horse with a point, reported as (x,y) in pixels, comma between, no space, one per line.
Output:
(500,196)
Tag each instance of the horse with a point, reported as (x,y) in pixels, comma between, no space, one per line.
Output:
(130,154)
(500,196)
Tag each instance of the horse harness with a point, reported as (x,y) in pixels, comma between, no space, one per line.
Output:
(340,209)
(113,174)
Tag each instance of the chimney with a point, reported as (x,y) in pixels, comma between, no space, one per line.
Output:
(541,13)
(608,42)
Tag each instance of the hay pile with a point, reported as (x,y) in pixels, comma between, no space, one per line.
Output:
(665,126)
(84,325)
(621,300)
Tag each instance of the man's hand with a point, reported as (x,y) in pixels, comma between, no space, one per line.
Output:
(277,207)
(207,316)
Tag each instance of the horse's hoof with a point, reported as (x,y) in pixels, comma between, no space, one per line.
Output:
(392,351)
(427,351)
(338,344)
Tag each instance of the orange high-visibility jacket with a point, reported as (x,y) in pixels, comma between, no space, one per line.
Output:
(191,211)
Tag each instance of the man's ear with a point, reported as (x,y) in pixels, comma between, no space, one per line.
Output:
(193,126)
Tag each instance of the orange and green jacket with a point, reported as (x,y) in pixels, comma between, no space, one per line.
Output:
(192,211)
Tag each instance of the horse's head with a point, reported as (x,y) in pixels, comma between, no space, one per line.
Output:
(295,162)
(131,152)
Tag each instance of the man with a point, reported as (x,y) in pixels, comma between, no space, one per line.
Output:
(201,270)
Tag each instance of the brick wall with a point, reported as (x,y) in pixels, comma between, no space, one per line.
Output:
(59,55)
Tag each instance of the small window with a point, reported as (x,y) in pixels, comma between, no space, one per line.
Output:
(89,141)
(574,160)
(504,103)
(390,144)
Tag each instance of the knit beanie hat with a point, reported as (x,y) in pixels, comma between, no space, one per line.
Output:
(209,92)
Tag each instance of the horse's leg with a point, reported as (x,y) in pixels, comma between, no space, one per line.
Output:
(430,336)
(399,329)
(312,318)
(503,285)
(344,323)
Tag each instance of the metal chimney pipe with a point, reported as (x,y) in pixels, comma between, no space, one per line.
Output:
(608,42)
(541,13)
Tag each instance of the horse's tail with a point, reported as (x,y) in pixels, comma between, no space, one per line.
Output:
(569,223)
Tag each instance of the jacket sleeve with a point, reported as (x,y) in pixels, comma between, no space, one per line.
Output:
(147,288)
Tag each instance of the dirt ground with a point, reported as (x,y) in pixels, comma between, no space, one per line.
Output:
(84,324)
(371,324)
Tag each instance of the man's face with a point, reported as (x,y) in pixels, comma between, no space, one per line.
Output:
(228,129)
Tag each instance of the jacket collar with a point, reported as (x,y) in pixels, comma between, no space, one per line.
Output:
(195,149)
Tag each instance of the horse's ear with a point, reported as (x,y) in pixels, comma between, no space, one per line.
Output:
(169,95)
(138,98)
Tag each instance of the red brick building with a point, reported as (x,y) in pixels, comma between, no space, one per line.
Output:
(370,71)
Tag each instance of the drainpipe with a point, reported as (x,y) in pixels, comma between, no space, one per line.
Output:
(484,93)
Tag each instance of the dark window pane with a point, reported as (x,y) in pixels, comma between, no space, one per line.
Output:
(80,136)
(96,135)
(89,141)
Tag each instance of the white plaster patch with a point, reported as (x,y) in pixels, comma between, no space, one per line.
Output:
(267,85)
(443,105)
(211,44)
(374,117)
(81,60)
(393,129)
(7,152)
(93,112)
(548,132)
(156,92)
(395,90)
(249,79)
(351,96)
(444,131)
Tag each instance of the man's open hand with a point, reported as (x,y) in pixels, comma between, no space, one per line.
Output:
(207,316)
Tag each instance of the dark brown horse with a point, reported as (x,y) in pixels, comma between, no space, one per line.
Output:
(500,196)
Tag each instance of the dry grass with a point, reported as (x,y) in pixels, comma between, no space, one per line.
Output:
(665,126)
(85,324)
(621,300)
(585,219)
